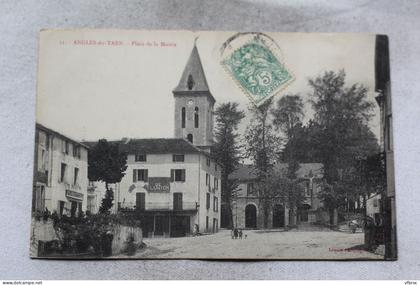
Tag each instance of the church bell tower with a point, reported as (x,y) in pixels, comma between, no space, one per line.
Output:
(194,104)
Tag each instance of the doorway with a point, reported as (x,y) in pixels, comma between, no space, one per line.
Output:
(304,212)
(161,225)
(73,209)
(250,216)
(278,216)
(180,226)
(177,202)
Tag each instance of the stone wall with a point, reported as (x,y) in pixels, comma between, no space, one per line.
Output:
(44,231)
(122,235)
(41,231)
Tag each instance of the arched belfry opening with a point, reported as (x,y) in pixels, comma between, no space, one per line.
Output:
(196,117)
(183,117)
(190,138)
(190,82)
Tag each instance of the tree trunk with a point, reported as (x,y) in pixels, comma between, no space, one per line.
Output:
(230,213)
(266,213)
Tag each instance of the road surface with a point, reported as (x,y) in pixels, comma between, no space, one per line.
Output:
(260,244)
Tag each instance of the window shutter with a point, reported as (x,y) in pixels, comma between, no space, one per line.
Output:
(172,175)
(146,175)
(183,175)
(134,175)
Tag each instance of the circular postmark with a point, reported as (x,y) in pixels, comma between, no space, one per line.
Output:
(253,60)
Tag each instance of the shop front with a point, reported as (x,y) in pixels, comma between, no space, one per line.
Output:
(76,202)
(166,224)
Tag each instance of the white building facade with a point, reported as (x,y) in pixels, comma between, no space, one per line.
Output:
(60,173)
(172,186)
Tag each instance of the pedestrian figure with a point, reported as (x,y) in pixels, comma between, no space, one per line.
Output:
(240,234)
(196,230)
(232,233)
(235,233)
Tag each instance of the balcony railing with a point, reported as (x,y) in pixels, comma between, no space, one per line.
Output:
(160,206)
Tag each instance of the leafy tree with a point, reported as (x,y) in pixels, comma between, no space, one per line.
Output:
(262,143)
(226,149)
(374,169)
(288,116)
(342,115)
(106,164)
(263,147)
(288,113)
(341,135)
(107,201)
(305,143)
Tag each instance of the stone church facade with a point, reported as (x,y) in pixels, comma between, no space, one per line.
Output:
(248,211)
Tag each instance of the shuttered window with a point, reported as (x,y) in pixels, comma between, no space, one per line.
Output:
(178,158)
(140,157)
(63,172)
(76,176)
(140,175)
(208,201)
(177,175)
(215,204)
(250,189)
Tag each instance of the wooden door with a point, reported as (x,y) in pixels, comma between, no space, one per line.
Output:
(177,201)
(140,201)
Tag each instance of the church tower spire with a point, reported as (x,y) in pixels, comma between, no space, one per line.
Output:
(194,104)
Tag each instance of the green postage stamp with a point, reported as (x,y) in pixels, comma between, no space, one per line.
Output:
(253,61)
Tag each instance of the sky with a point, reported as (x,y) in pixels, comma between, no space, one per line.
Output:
(112,84)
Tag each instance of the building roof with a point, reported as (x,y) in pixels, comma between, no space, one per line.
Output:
(195,69)
(193,78)
(51,131)
(244,172)
(305,170)
(93,143)
(248,171)
(159,145)
(155,146)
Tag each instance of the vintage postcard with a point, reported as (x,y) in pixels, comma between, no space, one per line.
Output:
(213,145)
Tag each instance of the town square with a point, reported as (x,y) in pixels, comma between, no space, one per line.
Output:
(281,160)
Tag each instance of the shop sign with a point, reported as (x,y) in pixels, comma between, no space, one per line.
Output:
(159,184)
(74,195)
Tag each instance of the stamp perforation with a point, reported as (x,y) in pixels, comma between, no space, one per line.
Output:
(278,56)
